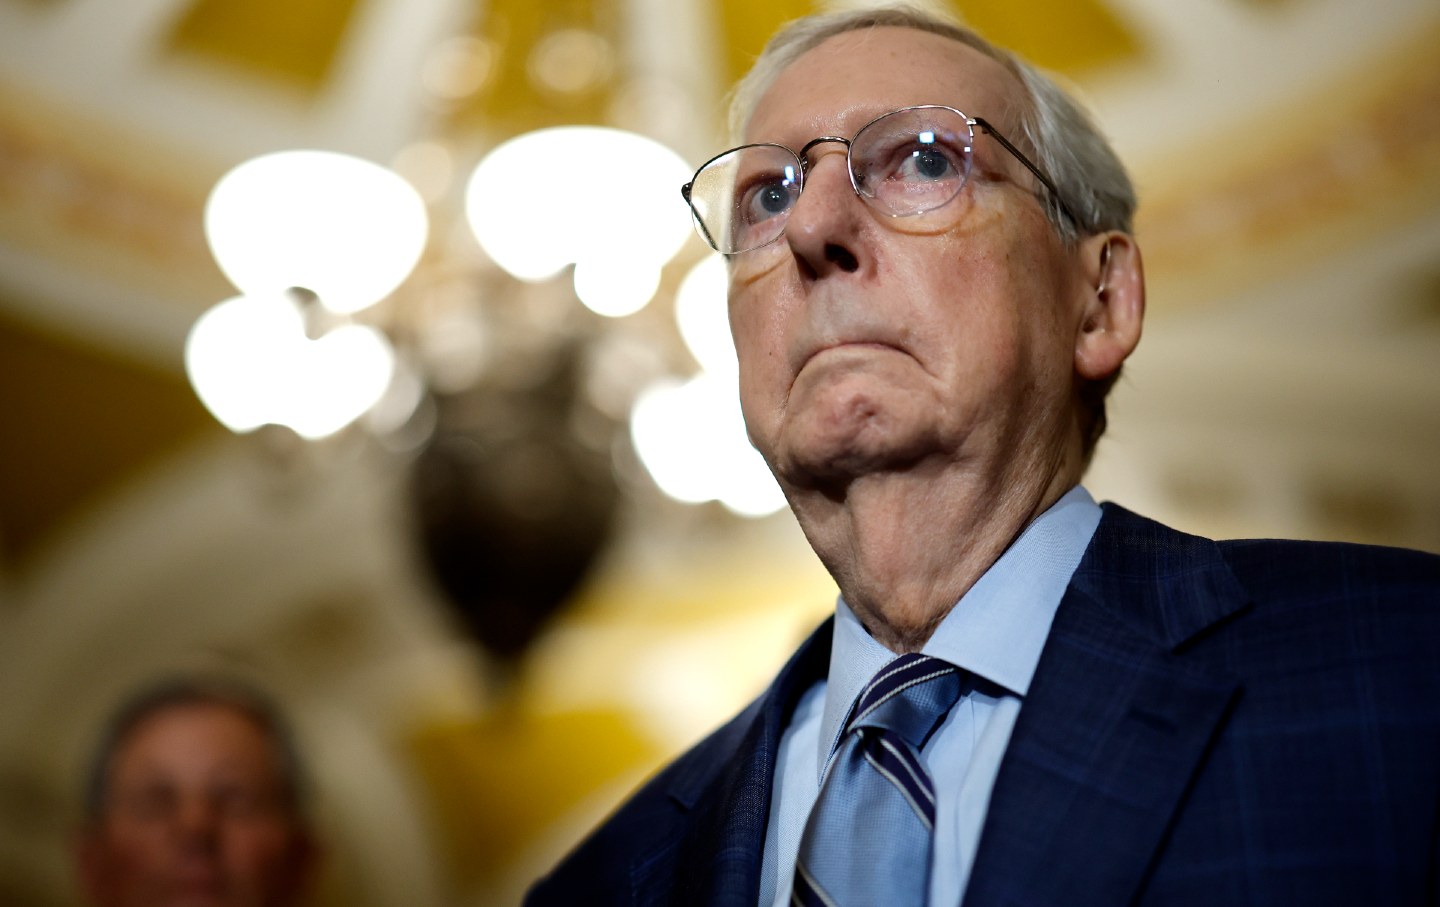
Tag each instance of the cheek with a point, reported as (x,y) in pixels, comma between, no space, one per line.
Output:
(761,383)
(757,327)
(993,329)
(131,866)
(138,842)
(264,860)
(761,393)
(258,844)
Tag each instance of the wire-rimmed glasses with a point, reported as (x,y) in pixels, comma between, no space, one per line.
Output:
(903,163)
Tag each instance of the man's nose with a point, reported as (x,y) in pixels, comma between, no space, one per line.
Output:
(823,229)
(198,819)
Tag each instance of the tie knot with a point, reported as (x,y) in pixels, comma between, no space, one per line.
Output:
(908,697)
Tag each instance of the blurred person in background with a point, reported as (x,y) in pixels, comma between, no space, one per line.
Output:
(1023,697)
(194,799)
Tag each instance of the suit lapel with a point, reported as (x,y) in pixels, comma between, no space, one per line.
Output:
(718,859)
(1116,722)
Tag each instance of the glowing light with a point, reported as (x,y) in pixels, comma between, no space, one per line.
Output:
(399,401)
(346,229)
(458,68)
(750,488)
(602,199)
(251,365)
(691,438)
(610,287)
(700,313)
(570,60)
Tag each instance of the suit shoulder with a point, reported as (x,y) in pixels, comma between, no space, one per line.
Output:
(1334,571)
(1340,613)
(649,848)
(644,828)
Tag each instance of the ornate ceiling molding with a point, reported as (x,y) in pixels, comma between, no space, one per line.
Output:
(1355,159)
(88,197)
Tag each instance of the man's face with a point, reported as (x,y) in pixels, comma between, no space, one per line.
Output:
(196,817)
(870,344)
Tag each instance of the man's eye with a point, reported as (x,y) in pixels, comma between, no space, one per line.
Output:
(772,199)
(927,163)
(240,801)
(767,199)
(921,162)
(148,802)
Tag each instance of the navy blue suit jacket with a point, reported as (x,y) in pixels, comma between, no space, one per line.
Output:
(1216,723)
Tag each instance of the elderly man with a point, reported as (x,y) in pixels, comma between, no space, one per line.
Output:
(194,801)
(1023,698)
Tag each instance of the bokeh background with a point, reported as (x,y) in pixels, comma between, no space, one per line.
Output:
(486,618)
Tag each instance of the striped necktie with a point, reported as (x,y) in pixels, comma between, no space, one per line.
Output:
(869,837)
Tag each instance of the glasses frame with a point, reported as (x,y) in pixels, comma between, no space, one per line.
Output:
(802,156)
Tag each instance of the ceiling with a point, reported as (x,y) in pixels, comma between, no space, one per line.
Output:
(1288,158)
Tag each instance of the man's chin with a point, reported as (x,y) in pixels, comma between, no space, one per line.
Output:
(830,461)
(206,892)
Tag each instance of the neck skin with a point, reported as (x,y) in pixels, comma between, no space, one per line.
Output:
(905,546)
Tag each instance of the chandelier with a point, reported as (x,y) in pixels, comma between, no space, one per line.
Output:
(314,241)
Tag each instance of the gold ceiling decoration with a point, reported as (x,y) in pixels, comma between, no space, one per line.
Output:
(561,61)
(547,63)
(48,466)
(747,24)
(1354,153)
(79,419)
(1072,37)
(294,41)
(59,197)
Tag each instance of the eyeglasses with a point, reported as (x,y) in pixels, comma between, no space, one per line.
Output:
(904,163)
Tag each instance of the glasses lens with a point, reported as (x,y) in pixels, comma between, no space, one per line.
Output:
(742,198)
(912,160)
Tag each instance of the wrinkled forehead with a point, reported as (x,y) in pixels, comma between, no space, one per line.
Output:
(849,79)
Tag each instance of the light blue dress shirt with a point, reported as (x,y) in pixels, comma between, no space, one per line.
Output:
(995,632)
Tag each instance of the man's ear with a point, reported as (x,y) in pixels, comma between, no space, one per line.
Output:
(1113,307)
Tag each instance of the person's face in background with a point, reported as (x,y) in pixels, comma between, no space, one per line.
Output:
(197,815)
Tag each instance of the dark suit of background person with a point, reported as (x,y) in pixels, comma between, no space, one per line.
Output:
(1248,722)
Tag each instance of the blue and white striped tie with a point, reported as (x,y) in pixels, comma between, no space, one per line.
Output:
(869,837)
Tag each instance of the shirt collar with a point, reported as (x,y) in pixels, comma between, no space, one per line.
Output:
(998,627)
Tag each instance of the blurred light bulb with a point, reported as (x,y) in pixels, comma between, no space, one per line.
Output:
(691,438)
(600,197)
(749,488)
(251,364)
(228,356)
(401,398)
(336,379)
(346,229)
(615,288)
(661,423)
(702,316)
